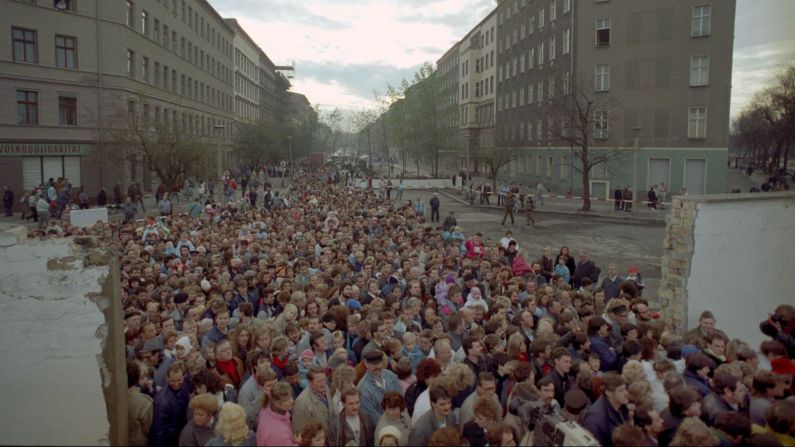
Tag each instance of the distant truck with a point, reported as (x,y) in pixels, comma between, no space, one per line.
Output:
(316,159)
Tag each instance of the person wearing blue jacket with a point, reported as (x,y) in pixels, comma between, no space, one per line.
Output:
(598,331)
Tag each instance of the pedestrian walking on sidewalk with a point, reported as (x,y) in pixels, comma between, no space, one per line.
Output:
(508,202)
(434,202)
(530,207)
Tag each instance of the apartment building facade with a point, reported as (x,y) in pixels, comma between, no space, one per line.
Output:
(477,84)
(69,72)
(447,75)
(657,71)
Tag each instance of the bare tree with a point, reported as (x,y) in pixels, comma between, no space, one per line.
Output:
(172,150)
(496,158)
(585,119)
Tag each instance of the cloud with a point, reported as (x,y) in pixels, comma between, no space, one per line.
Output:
(755,67)
(343,49)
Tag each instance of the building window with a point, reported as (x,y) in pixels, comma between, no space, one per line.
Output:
(541,18)
(701,21)
(157,31)
(600,125)
(64,5)
(540,92)
(130,13)
(699,71)
(130,63)
(65,52)
(27,107)
(144,23)
(566,83)
(553,10)
(145,69)
(697,123)
(566,41)
(551,88)
(602,78)
(24,45)
(552,48)
(67,111)
(566,6)
(564,166)
(602,32)
(541,54)
(157,74)
(165,36)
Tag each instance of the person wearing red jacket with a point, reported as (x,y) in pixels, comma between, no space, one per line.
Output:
(474,246)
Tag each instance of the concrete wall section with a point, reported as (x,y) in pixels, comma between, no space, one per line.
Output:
(742,264)
(730,254)
(60,382)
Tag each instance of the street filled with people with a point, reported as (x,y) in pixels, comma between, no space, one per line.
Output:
(321,314)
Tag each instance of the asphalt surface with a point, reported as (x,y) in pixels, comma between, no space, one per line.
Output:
(605,241)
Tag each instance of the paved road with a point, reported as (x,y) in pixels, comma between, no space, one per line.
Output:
(623,243)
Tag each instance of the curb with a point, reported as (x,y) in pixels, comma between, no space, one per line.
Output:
(590,214)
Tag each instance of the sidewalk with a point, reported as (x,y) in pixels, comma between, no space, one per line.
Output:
(561,205)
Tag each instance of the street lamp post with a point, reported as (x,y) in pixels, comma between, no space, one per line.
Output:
(637,131)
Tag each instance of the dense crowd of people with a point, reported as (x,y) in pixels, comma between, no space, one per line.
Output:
(337,318)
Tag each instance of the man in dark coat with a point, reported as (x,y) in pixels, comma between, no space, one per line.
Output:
(8,201)
(434,203)
(102,198)
(585,268)
(171,405)
(609,411)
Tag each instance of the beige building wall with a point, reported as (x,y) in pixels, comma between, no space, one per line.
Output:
(477,85)
(651,45)
(192,81)
(247,85)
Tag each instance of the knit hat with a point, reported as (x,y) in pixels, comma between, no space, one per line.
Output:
(389,430)
(689,349)
(353,304)
(180,298)
(307,354)
(205,285)
(152,345)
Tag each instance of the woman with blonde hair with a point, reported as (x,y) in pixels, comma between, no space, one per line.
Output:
(517,348)
(342,378)
(231,428)
(694,432)
(633,372)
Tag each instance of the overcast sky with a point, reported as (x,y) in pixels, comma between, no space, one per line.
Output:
(343,49)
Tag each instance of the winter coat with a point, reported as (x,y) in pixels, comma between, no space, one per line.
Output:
(520,266)
(193,436)
(309,408)
(712,406)
(601,419)
(341,434)
(607,356)
(698,382)
(139,417)
(426,426)
(372,394)
(274,429)
(170,415)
